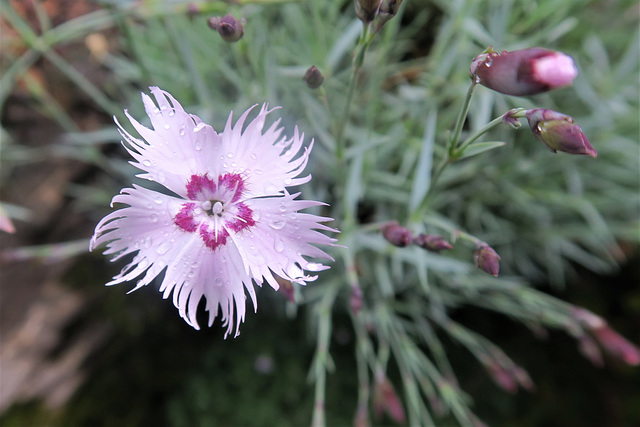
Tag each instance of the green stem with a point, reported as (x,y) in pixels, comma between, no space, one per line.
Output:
(462,117)
(322,356)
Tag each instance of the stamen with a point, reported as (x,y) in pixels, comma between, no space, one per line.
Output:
(217,208)
(206,205)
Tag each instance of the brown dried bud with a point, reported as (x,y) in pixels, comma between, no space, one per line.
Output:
(366,10)
(396,234)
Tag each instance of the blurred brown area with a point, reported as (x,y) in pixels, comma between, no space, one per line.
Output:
(37,361)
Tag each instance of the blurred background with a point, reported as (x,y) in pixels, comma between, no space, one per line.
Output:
(76,353)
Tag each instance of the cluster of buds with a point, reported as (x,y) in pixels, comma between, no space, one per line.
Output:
(485,257)
(400,236)
(230,29)
(601,333)
(507,374)
(523,72)
(529,72)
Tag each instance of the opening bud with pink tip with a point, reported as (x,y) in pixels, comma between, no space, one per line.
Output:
(559,132)
(523,72)
(487,259)
(313,77)
(230,29)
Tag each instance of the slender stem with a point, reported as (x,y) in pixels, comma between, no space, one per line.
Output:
(322,356)
(358,60)
(477,134)
(462,117)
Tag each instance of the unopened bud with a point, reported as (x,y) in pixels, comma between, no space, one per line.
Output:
(523,72)
(487,259)
(590,350)
(388,9)
(396,234)
(431,242)
(366,10)
(617,346)
(510,119)
(193,10)
(229,28)
(558,132)
(385,399)
(313,77)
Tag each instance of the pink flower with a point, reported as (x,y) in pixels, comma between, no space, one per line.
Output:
(228,220)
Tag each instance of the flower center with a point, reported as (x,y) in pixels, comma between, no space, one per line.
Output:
(214,209)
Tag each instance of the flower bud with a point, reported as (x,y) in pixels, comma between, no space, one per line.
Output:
(385,399)
(388,9)
(616,345)
(558,132)
(313,77)
(510,119)
(523,72)
(396,234)
(193,10)
(366,10)
(229,28)
(431,242)
(487,259)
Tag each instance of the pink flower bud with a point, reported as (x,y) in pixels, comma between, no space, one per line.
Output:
(616,345)
(229,28)
(590,350)
(509,119)
(487,259)
(523,72)
(396,234)
(313,77)
(558,132)
(432,243)
(386,400)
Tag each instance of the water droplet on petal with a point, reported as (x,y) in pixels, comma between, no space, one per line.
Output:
(218,281)
(258,171)
(172,113)
(254,156)
(277,224)
(287,181)
(163,248)
(167,126)
(283,208)
(154,218)
(156,111)
(278,244)
(182,131)
(146,162)
(197,145)
(229,154)
(158,200)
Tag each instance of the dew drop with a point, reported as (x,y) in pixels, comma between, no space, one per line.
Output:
(156,111)
(488,62)
(277,224)
(158,200)
(218,281)
(278,245)
(234,164)
(287,181)
(229,154)
(283,208)
(146,162)
(161,178)
(154,218)
(197,145)
(167,126)
(182,131)
(254,156)
(163,248)
(172,113)
(258,171)
(476,79)
(148,242)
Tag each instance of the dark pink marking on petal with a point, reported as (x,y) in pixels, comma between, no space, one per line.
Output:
(197,184)
(233,182)
(184,219)
(245,218)
(210,239)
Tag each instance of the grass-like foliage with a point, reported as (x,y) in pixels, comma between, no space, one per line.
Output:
(391,105)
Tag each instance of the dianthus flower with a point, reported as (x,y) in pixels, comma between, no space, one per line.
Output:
(229,220)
